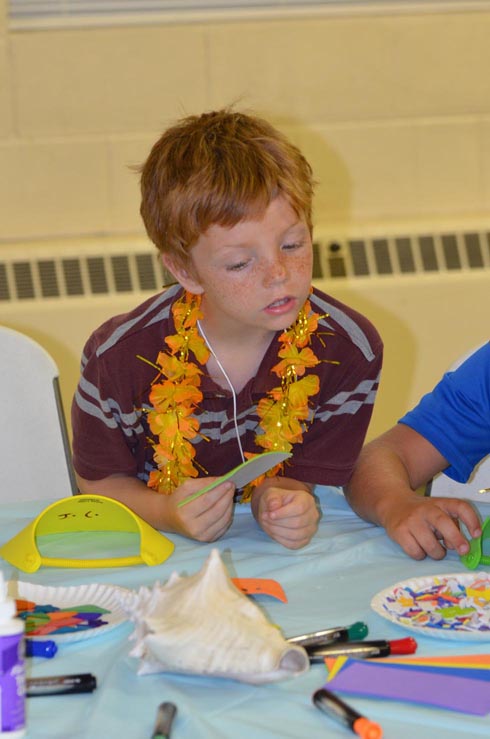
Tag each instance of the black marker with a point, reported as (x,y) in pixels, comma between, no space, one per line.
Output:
(165,716)
(334,707)
(60,684)
(355,632)
(363,649)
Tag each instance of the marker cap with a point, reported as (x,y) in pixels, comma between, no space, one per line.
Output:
(403,646)
(41,648)
(357,631)
(367,729)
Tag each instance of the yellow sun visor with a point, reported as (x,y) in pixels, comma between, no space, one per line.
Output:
(85,513)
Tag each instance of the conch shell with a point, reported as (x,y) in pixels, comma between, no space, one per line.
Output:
(202,624)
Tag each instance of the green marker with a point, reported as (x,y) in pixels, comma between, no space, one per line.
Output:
(354,632)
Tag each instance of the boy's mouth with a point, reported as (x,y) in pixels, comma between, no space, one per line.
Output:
(280,305)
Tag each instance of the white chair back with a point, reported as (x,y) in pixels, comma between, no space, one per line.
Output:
(35,458)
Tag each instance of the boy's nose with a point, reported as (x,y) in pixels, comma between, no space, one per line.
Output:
(275,271)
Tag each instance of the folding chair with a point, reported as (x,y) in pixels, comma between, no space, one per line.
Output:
(35,458)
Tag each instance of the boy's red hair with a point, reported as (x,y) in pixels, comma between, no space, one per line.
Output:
(218,168)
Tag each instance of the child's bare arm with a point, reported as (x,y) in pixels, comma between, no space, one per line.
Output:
(383,490)
(205,519)
(286,509)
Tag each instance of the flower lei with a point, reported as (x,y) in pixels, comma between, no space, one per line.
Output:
(175,399)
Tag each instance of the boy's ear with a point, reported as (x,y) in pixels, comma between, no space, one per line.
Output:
(184,275)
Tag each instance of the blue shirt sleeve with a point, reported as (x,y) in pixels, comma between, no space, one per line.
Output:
(455,416)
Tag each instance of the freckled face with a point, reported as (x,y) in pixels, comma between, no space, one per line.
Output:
(255,276)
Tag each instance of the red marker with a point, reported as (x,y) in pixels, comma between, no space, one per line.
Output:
(363,649)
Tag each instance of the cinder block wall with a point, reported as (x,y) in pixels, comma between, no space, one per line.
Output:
(392,109)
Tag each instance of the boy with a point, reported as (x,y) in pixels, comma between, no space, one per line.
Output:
(243,356)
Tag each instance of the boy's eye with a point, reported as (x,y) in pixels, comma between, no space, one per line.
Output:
(236,267)
(293,245)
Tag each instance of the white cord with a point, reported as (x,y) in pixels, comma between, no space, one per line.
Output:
(201,330)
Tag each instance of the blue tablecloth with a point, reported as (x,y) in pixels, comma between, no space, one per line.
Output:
(328,583)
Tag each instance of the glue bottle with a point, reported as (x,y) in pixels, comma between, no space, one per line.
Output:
(12,669)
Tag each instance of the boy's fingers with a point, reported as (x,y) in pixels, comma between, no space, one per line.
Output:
(273,503)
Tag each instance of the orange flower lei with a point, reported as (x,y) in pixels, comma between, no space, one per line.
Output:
(282,412)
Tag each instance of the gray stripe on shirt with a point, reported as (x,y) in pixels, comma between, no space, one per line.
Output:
(364,388)
(94,410)
(356,334)
(108,411)
(349,408)
(121,330)
(346,403)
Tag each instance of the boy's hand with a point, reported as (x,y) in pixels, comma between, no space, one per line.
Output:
(207,517)
(288,513)
(430,526)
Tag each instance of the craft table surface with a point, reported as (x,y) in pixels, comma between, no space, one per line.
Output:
(328,583)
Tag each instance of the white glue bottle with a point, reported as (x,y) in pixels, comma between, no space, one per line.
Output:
(12,669)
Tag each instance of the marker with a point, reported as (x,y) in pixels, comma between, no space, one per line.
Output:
(363,649)
(163,725)
(354,632)
(46,648)
(334,707)
(60,684)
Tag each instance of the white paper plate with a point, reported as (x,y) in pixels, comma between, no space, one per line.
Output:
(105,596)
(446,625)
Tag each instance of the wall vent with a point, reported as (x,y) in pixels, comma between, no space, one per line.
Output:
(137,268)
(426,293)
(401,255)
(36,278)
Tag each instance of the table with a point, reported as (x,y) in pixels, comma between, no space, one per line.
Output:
(328,583)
